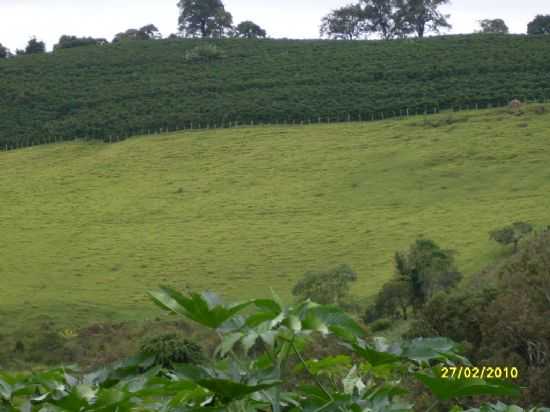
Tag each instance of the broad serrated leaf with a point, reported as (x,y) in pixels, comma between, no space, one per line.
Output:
(446,389)
(427,349)
(228,342)
(375,357)
(230,391)
(249,340)
(199,308)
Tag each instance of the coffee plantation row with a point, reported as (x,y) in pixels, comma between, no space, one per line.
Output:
(139,87)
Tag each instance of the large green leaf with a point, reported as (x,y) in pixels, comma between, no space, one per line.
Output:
(334,319)
(229,391)
(427,349)
(374,357)
(228,342)
(5,390)
(446,389)
(204,309)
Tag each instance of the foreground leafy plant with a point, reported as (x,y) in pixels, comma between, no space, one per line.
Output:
(260,352)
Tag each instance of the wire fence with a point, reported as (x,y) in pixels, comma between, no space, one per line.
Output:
(347,117)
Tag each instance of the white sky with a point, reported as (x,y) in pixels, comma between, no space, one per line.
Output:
(49,19)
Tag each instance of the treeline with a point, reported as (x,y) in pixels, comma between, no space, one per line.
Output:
(394,19)
(197,18)
(137,87)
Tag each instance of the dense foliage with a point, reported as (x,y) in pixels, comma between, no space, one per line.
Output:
(420,272)
(386,19)
(4,52)
(249,30)
(511,234)
(204,18)
(494,26)
(257,367)
(128,88)
(330,286)
(67,42)
(148,32)
(539,25)
(34,46)
(502,318)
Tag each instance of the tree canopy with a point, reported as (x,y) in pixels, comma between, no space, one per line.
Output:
(249,30)
(330,286)
(386,18)
(345,23)
(512,234)
(422,16)
(540,25)
(66,42)
(34,46)
(204,18)
(148,32)
(426,268)
(4,52)
(494,26)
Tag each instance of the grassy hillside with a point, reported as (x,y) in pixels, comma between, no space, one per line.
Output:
(88,227)
(129,88)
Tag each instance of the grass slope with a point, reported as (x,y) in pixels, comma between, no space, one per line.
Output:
(127,88)
(87,227)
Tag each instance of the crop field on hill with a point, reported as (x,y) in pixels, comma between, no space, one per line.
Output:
(87,227)
(130,88)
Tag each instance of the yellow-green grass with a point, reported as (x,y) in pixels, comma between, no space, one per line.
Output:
(87,228)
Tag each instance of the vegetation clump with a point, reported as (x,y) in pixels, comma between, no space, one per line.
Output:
(172,348)
(326,287)
(420,272)
(373,376)
(511,235)
(204,53)
(501,316)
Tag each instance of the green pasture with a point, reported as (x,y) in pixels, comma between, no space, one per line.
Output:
(86,228)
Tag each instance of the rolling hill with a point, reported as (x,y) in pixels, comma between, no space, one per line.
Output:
(87,227)
(132,88)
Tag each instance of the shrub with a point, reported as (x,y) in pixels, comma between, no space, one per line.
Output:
(380,325)
(331,286)
(204,52)
(171,348)
(511,234)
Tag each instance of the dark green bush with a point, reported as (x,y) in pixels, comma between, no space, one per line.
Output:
(204,52)
(172,348)
(380,325)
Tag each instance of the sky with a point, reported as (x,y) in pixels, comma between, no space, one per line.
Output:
(299,19)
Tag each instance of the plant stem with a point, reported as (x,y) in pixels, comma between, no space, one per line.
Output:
(432,406)
(317,382)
